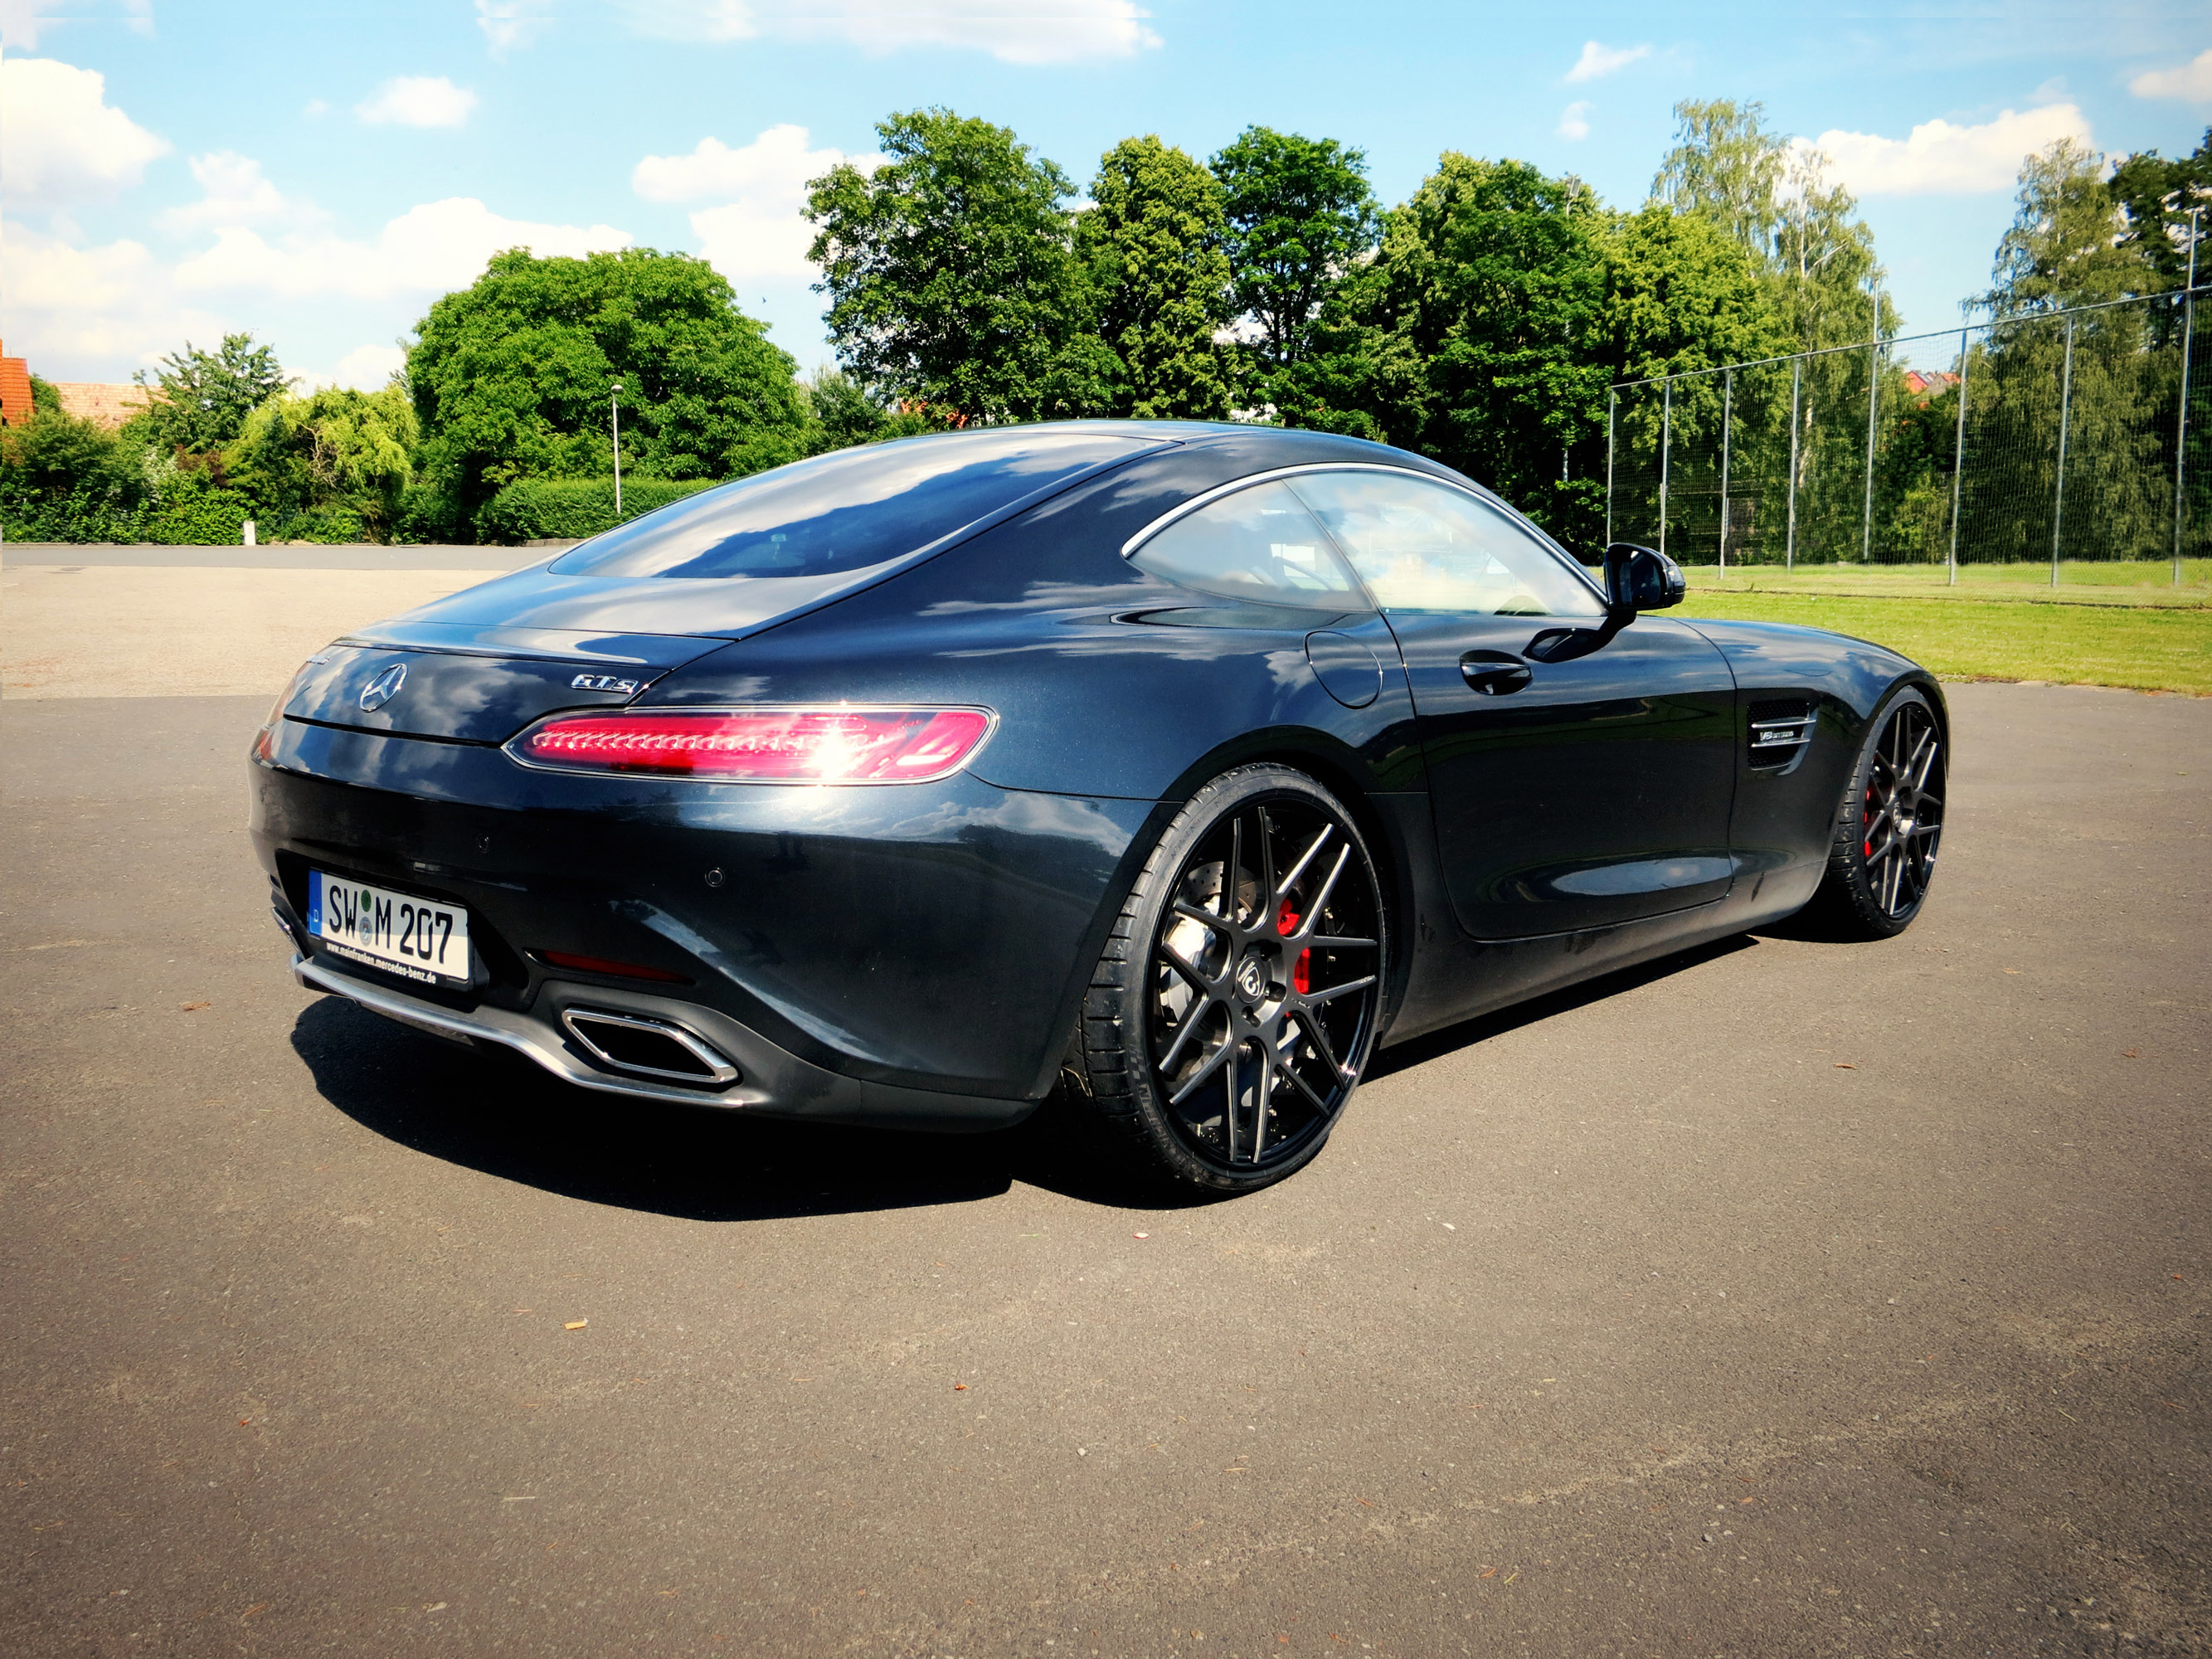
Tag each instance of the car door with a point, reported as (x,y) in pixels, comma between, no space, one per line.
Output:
(1568,794)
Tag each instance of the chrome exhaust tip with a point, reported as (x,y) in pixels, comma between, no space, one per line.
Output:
(640,1046)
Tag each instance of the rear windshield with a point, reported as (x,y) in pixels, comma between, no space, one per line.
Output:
(850,510)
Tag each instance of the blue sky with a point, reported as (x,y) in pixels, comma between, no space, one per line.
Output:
(318,173)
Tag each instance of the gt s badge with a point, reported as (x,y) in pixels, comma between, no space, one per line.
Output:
(601,683)
(383,688)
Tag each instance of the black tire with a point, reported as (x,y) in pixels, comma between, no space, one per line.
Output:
(1199,983)
(1888,824)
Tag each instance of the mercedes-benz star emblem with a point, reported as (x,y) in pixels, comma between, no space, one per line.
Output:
(384,688)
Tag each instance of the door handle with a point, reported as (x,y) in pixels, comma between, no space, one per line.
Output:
(1494,674)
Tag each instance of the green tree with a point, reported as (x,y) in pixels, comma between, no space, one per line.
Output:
(1300,219)
(2067,244)
(2156,196)
(842,412)
(1152,246)
(203,397)
(953,277)
(512,376)
(1726,165)
(1772,197)
(1491,277)
(46,397)
(353,451)
(54,455)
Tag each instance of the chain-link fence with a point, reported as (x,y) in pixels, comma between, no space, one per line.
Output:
(2072,436)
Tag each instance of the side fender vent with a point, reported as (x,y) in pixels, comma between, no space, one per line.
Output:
(1781,731)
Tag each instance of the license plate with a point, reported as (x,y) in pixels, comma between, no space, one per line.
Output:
(418,937)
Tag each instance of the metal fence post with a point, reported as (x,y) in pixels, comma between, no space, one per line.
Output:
(1874,393)
(1612,401)
(1728,406)
(2181,421)
(2065,411)
(1789,543)
(1666,442)
(1958,461)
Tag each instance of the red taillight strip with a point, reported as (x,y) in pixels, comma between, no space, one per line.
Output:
(816,744)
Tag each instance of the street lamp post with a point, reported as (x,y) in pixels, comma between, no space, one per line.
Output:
(613,421)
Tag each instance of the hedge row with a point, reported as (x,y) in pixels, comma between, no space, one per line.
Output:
(532,508)
(189,514)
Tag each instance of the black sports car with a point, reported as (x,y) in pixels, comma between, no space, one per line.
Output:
(1186,763)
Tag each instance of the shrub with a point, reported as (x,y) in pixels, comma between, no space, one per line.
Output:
(531,508)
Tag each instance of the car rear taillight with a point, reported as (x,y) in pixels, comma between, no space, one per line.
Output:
(762,745)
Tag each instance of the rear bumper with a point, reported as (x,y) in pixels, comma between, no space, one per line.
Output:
(770,1081)
(930,941)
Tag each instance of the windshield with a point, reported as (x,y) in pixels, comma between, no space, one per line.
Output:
(849,510)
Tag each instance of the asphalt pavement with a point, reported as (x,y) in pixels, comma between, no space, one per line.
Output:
(1785,1297)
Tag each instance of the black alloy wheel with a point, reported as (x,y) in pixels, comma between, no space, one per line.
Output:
(1891,823)
(1241,992)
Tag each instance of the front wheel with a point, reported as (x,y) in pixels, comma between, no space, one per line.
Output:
(1888,824)
(1241,992)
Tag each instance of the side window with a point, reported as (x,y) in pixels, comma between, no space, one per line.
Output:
(1425,546)
(1257,543)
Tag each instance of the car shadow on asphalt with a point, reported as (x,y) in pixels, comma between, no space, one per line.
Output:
(1404,1056)
(494,1111)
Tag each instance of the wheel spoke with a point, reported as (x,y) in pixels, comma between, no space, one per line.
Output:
(1205,918)
(1263,1094)
(1189,970)
(1235,863)
(1320,899)
(1332,942)
(1319,1038)
(1185,1031)
(1266,858)
(1926,762)
(1304,1088)
(1207,1068)
(1883,850)
(1229,1112)
(1314,998)
(1867,829)
(1304,859)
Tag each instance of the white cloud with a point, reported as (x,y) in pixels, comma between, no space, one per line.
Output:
(418,100)
(61,143)
(1941,159)
(80,314)
(1012,31)
(1598,61)
(2191,81)
(315,106)
(758,230)
(234,191)
(1574,121)
(22,22)
(508,24)
(429,249)
(365,369)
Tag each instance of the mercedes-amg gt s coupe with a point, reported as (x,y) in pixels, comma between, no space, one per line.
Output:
(1177,766)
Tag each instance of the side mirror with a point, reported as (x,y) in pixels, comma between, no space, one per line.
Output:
(1639,579)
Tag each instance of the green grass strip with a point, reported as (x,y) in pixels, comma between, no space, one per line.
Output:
(2147,649)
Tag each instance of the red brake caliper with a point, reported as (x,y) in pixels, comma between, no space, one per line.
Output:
(1866,847)
(1302,975)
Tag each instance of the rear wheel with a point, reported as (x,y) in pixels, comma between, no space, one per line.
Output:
(1888,824)
(1239,996)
